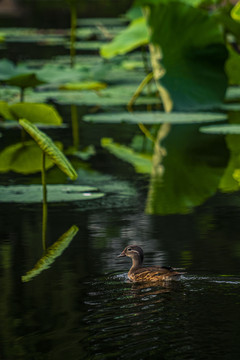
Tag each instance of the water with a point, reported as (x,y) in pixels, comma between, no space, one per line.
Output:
(83,306)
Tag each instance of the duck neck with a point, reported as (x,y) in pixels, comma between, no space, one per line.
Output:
(136,263)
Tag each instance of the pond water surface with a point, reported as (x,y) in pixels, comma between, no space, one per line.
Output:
(82,305)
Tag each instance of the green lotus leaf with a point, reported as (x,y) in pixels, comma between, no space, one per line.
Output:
(24,81)
(141,162)
(221,129)
(24,158)
(157,117)
(5,112)
(135,35)
(32,194)
(52,253)
(86,85)
(193,55)
(47,145)
(36,113)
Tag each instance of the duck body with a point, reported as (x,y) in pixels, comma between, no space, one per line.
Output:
(140,273)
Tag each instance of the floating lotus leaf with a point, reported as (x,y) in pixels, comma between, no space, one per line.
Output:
(32,194)
(141,162)
(81,86)
(111,96)
(24,158)
(5,112)
(24,81)
(36,113)
(52,253)
(135,35)
(47,145)
(221,129)
(155,117)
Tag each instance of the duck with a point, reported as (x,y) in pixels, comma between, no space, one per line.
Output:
(140,273)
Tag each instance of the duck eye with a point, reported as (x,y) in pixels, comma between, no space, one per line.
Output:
(129,249)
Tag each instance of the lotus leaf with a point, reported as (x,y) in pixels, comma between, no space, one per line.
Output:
(155,117)
(141,162)
(47,145)
(36,113)
(135,35)
(221,129)
(30,194)
(24,158)
(193,55)
(81,86)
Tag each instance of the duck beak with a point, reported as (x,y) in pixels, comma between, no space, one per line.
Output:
(122,254)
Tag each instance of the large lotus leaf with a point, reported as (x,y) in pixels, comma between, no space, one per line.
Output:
(31,194)
(221,129)
(36,113)
(18,75)
(25,80)
(135,35)
(5,112)
(156,117)
(48,146)
(24,158)
(141,162)
(193,55)
(189,173)
(111,96)
(59,74)
(52,253)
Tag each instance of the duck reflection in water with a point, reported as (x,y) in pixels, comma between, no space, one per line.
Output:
(141,274)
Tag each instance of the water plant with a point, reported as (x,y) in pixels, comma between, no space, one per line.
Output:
(48,149)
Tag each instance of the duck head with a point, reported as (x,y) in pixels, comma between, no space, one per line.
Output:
(134,252)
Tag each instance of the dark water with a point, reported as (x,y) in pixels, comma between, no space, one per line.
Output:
(83,307)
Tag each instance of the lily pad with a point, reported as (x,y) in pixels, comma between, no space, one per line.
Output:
(155,117)
(86,85)
(36,113)
(221,129)
(29,194)
(111,96)
(135,35)
(52,253)
(24,158)
(141,162)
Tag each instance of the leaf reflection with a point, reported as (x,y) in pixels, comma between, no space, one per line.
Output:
(51,254)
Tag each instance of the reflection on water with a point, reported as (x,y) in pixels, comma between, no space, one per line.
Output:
(178,320)
(83,306)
